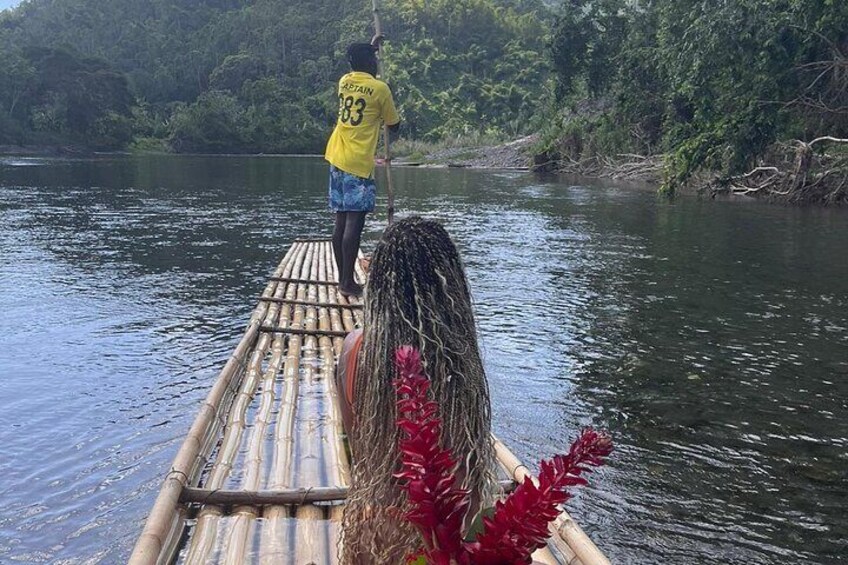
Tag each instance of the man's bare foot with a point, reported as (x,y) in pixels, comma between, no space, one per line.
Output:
(352,291)
(365,262)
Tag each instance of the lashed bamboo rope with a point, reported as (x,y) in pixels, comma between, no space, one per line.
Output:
(205,537)
(568,538)
(166,521)
(276,529)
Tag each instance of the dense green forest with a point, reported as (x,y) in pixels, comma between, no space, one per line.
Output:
(745,88)
(751,89)
(258,75)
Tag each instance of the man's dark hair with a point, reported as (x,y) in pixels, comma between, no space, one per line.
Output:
(361,56)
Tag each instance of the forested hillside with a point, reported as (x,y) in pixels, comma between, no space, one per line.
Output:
(754,90)
(258,75)
(746,88)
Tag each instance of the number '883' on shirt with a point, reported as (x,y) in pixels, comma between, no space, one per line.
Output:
(365,103)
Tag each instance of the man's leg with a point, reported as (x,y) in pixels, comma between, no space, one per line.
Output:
(338,237)
(350,250)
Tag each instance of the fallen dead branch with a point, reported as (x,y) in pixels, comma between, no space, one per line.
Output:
(624,166)
(797,172)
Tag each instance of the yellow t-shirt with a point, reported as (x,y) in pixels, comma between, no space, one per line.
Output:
(365,103)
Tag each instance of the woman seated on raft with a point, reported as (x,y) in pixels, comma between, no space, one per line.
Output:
(417,294)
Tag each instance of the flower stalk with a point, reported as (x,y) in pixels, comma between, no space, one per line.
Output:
(437,507)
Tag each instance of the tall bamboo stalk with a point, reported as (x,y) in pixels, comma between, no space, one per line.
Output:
(166,519)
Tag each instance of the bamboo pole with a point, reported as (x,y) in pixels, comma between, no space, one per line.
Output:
(246,512)
(363,279)
(304,280)
(300,495)
(175,535)
(338,464)
(294,496)
(304,332)
(568,538)
(276,529)
(336,323)
(165,521)
(204,540)
(316,304)
(390,209)
(310,537)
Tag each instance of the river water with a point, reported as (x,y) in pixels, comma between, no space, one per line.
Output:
(710,338)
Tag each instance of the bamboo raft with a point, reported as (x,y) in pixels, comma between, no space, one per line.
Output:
(263,473)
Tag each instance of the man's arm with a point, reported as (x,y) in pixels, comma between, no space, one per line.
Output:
(394,132)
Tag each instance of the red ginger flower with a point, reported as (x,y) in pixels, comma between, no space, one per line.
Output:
(428,471)
(519,524)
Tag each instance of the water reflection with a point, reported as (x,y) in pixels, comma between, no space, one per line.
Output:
(710,337)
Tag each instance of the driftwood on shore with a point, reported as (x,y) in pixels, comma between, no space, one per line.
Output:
(624,166)
(798,172)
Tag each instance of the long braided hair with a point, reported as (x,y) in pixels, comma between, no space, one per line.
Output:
(416,294)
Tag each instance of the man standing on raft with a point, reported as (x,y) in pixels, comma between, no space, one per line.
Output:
(365,103)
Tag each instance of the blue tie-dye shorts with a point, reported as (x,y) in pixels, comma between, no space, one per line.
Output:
(350,193)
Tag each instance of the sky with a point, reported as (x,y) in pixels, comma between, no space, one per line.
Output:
(8,3)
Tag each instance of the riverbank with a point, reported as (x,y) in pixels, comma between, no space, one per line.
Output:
(526,154)
(517,154)
(45,151)
(792,172)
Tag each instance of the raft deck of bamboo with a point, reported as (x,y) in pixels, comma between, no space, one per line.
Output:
(262,475)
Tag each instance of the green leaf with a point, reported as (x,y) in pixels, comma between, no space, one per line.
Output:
(477,527)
